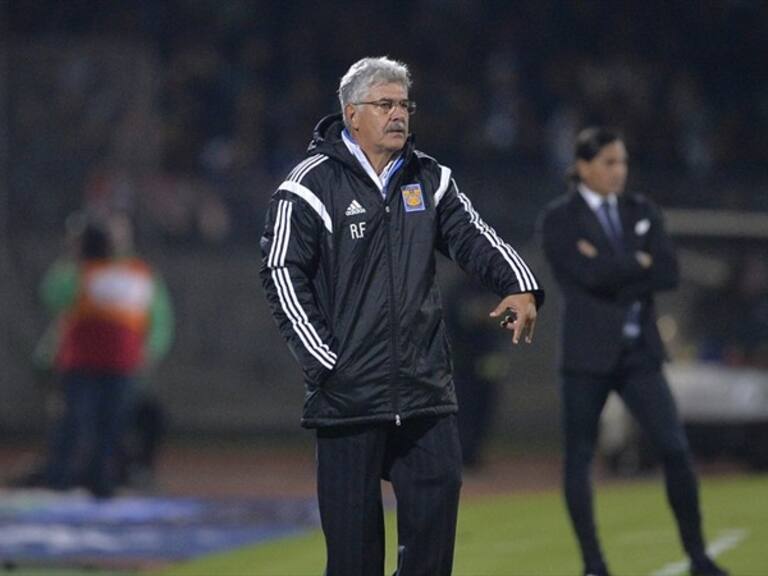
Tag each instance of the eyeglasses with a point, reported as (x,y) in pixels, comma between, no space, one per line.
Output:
(385,106)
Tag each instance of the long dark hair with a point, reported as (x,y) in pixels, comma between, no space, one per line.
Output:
(589,142)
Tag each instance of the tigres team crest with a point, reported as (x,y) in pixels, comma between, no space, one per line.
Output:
(413,200)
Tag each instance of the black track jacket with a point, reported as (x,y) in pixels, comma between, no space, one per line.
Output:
(350,279)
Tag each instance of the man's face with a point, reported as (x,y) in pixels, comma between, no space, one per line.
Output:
(606,173)
(378,131)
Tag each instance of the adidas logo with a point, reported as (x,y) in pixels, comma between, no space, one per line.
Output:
(354,208)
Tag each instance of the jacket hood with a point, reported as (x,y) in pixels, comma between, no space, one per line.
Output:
(326,132)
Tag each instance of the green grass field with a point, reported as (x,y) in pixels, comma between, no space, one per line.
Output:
(52,571)
(528,535)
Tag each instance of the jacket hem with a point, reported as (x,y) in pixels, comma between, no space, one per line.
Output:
(388,418)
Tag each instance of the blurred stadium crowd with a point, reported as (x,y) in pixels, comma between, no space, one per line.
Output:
(192,109)
(186,113)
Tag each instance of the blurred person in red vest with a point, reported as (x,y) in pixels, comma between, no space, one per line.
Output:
(114,320)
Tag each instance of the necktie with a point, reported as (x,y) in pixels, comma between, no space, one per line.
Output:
(611,225)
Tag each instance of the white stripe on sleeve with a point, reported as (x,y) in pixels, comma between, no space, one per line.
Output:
(515,256)
(522,273)
(310,198)
(286,293)
(301,165)
(303,318)
(445,180)
(278,237)
(298,174)
(320,355)
(283,250)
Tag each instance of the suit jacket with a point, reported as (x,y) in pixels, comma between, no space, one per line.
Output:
(597,292)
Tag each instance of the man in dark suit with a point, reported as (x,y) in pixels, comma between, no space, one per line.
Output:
(610,255)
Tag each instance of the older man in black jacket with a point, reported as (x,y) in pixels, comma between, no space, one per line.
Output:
(349,272)
(610,255)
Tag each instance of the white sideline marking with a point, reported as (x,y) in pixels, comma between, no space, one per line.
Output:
(727,540)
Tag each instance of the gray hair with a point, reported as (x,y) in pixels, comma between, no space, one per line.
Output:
(369,72)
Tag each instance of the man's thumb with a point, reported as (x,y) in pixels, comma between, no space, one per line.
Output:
(498,310)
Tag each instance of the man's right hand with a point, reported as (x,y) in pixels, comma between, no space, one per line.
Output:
(522,308)
(586,248)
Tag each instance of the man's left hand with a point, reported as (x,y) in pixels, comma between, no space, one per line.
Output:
(523,306)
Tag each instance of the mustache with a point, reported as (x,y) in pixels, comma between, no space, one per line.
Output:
(396,127)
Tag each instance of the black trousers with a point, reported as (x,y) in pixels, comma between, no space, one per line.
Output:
(640,382)
(422,459)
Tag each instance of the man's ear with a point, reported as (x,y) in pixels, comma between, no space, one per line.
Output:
(353,121)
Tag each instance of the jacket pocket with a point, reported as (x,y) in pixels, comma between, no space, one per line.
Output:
(316,377)
(433,357)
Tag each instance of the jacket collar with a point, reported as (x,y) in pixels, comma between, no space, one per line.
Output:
(389,170)
(594,199)
(327,139)
(627,213)
(586,218)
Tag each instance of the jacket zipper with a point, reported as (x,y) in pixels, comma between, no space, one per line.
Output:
(393,319)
